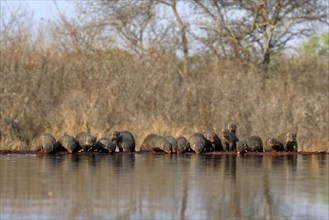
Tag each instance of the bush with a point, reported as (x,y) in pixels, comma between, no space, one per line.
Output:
(44,89)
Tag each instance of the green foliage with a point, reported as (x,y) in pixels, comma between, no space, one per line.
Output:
(316,45)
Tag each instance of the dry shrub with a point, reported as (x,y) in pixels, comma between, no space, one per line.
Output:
(45,90)
(96,92)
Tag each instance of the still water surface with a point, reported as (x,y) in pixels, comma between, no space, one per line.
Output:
(147,186)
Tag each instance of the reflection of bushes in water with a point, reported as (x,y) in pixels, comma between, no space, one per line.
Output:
(73,161)
(124,161)
(251,161)
(225,165)
(51,161)
(199,162)
(229,163)
(117,162)
(287,163)
(315,163)
(319,162)
(291,162)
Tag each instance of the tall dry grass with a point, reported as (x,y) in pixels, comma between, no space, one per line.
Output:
(44,89)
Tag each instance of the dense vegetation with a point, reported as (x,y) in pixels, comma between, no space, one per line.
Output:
(47,85)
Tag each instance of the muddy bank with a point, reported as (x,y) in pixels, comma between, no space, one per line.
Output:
(274,153)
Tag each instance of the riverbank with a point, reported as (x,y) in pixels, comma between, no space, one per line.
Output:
(139,152)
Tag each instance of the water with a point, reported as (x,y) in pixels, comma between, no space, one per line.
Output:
(147,186)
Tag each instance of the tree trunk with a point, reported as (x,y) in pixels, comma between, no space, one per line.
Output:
(182,30)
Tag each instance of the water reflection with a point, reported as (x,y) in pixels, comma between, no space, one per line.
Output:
(133,185)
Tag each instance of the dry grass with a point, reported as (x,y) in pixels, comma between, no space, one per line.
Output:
(43,89)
